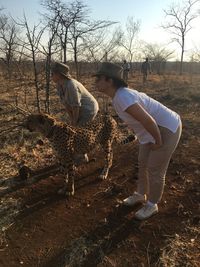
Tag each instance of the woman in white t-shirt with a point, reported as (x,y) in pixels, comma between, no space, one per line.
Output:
(157,128)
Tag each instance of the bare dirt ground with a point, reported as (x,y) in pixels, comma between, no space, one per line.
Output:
(40,228)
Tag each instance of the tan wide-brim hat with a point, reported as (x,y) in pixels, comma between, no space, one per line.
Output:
(110,70)
(61,68)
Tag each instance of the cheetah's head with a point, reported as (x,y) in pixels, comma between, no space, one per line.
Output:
(41,123)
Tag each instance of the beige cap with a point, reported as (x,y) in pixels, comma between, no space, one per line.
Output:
(61,68)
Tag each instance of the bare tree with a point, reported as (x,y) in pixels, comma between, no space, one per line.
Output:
(32,46)
(60,17)
(101,45)
(92,46)
(80,28)
(9,33)
(195,55)
(111,45)
(181,17)
(63,16)
(158,55)
(72,26)
(128,38)
(53,21)
(51,49)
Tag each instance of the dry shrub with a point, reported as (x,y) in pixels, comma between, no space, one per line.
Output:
(182,250)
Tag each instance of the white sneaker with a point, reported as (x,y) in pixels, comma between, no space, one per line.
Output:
(134,199)
(146,212)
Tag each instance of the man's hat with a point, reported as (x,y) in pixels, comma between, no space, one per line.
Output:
(61,68)
(110,70)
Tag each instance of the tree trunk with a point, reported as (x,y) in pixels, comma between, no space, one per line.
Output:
(182,52)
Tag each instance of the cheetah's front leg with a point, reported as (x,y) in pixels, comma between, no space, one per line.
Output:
(68,168)
(108,160)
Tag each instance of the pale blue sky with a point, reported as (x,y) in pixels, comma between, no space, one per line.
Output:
(149,12)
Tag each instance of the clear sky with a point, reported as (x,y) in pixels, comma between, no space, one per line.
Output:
(148,12)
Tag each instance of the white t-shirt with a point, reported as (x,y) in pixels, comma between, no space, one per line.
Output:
(165,117)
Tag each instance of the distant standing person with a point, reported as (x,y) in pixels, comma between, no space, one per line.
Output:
(79,103)
(126,69)
(145,69)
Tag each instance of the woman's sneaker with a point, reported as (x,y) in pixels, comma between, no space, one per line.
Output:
(136,198)
(146,212)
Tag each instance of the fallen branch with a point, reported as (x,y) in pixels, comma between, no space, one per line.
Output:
(10,129)
(21,110)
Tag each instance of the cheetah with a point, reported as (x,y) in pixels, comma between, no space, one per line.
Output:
(68,141)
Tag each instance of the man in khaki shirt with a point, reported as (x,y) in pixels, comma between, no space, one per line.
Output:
(79,103)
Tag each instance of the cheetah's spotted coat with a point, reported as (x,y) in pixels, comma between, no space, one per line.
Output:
(67,141)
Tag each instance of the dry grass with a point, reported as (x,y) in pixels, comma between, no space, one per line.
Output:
(17,146)
(181,249)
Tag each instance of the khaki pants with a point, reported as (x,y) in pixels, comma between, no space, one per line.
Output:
(86,116)
(153,164)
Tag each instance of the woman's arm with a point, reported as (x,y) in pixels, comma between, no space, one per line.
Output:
(140,114)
